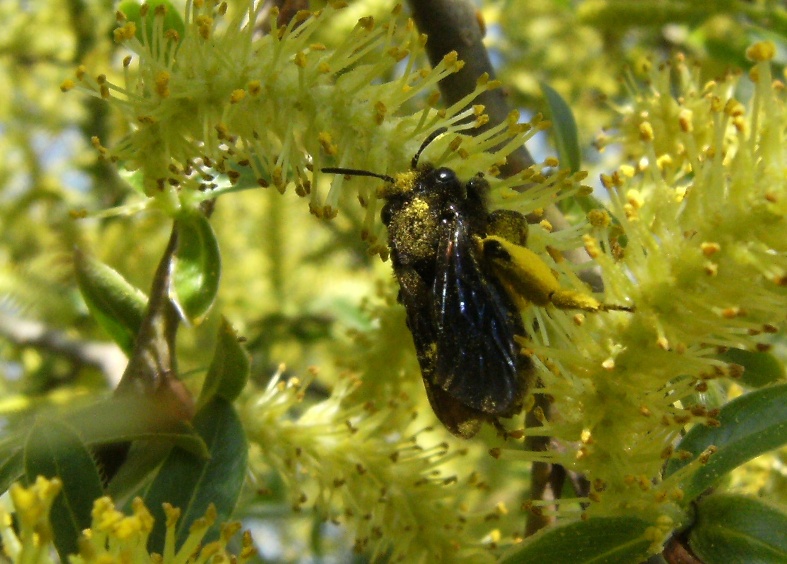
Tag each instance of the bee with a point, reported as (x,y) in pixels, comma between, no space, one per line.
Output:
(463,318)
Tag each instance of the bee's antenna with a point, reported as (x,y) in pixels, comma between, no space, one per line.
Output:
(413,164)
(435,134)
(356,172)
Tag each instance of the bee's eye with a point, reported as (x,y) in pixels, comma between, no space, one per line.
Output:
(445,175)
(386,215)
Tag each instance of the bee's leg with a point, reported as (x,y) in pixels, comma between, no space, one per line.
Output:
(510,225)
(501,431)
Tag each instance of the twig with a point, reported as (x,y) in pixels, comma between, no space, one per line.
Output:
(106,357)
(452,25)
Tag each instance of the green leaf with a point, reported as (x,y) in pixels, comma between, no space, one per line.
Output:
(597,540)
(197,267)
(751,425)
(760,369)
(172,19)
(565,128)
(229,369)
(192,483)
(735,528)
(53,449)
(116,305)
(130,418)
(142,460)
(12,466)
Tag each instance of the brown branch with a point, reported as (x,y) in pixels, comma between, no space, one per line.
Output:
(542,483)
(106,357)
(453,25)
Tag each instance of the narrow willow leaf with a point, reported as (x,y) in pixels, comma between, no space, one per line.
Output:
(565,128)
(130,418)
(12,466)
(751,425)
(138,469)
(117,306)
(601,539)
(191,483)
(735,528)
(197,267)
(53,449)
(229,369)
(760,368)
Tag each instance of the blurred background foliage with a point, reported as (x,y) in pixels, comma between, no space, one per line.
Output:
(303,292)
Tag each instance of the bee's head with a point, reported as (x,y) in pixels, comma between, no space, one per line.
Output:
(407,181)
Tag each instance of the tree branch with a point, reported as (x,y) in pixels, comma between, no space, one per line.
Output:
(453,25)
(106,357)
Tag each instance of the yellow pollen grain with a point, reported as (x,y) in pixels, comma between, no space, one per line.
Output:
(731,312)
(125,33)
(663,162)
(635,199)
(237,95)
(398,54)
(599,218)
(733,108)
(761,51)
(380,112)
(162,84)
(646,131)
(685,120)
(326,141)
(204,25)
(367,23)
(709,249)
(591,246)
(254,87)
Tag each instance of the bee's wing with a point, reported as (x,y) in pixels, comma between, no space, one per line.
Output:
(461,420)
(477,360)
(417,298)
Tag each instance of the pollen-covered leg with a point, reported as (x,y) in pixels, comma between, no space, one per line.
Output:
(528,278)
(510,225)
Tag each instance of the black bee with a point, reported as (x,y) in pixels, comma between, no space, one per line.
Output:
(463,321)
